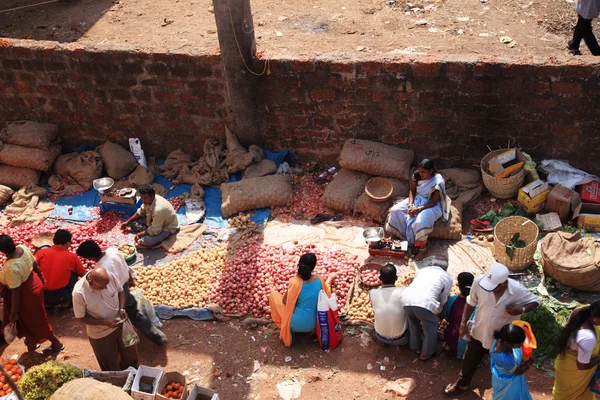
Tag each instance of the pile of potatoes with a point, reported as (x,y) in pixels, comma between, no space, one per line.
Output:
(360,307)
(241,221)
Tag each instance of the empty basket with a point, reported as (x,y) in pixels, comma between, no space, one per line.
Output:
(379,189)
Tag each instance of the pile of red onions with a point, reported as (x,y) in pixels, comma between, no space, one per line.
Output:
(370,277)
(176,203)
(257,269)
(307,200)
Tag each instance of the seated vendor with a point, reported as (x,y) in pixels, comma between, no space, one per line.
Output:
(61,268)
(390,317)
(413,218)
(161,219)
(296,311)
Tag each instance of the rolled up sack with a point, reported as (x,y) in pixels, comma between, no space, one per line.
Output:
(118,161)
(16,177)
(377,159)
(28,157)
(84,167)
(342,192)
(261,168)
(39,135)
(141,176)
(249,194)
(5,194)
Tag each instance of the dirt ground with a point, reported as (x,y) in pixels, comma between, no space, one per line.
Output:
(476,27)
(201,348)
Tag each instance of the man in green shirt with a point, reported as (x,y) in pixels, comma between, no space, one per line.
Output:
(161,219)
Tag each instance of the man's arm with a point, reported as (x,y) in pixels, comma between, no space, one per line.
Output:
(89,320)
(79,269)
(445,293)
(158,222)
(139,214)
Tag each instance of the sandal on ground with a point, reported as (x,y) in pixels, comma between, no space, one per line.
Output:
(320,218)
(426,358)
(338,217)
(31,349)
(453,389)
(48,351)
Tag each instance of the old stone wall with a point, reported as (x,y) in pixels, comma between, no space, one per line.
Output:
(449,108)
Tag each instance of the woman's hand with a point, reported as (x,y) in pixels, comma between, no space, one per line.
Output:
(412,210)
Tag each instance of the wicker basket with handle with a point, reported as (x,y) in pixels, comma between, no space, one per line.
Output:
(503,233)
(501,188)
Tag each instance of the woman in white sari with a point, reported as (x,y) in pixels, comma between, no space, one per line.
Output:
(413,218)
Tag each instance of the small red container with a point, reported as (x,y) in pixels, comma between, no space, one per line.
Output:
(590,192)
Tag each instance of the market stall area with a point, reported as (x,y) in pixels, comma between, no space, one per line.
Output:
(246,215)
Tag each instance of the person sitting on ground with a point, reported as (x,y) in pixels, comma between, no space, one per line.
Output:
(23,294)
(390,317)
(508,366)
(61,268)
(413,218)
(113,262)
(296,311)
(577,354)
(99,304)
(161,218)
(423,300)
(453,312)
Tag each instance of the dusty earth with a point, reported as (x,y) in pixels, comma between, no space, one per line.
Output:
(477,27)
(201,348)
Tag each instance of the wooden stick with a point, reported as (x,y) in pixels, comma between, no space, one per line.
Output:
(489,148)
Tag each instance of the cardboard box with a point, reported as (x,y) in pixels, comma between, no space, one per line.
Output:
(562,201)
(588,217)
(117,199)
(533,196)
(202,393)
(551,221)
(168,378)
(145,375)
(497,164)
(590,192)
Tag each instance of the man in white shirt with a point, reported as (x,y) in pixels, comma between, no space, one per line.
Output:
(390,317)
(99,302)
(112,261)
(423,300)
(500,300)
(586,10)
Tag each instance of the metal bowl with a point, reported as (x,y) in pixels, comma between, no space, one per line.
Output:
(373,235)
(103,184)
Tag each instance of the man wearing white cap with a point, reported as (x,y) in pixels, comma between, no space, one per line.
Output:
(501,300)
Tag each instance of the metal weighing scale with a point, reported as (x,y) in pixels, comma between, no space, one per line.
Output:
(382,247)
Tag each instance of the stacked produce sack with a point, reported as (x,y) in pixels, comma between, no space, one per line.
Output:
(27,149)
(360,161)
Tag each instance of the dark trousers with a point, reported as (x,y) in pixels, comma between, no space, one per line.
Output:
(583,31)
(54,297)
(140,321)
(111,353)
(473,357)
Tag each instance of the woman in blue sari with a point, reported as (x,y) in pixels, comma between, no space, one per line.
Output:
(413,218)
(453,312)
(508,381)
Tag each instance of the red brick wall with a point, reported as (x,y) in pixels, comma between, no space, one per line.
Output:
(169,101)
(450,108)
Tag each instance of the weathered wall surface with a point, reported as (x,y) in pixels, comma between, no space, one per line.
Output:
(450,108)
(169,101)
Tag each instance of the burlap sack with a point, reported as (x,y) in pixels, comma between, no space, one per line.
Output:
(141,176)
(376,159)
(379,211)
(39,135)
(237,156)
(160,189)
(249,194)
(29,157)
(572,260)
(257,153)
(197,191)
(16,177)
(261,168)
(451,230)
(84,167)
(5,194)
(462,184)
(64,185)
(344,189)
(118,162)
(89,389)
(172,166)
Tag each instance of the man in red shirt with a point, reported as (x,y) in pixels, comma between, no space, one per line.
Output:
(61,268)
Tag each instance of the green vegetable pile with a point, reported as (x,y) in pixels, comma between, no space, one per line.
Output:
(40,382)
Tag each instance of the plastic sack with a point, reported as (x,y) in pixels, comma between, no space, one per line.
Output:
(595,383)
(329,326)
(10,332)
(530,342)
(130,338)
(136,148)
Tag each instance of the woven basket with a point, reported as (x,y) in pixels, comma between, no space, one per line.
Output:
(379,189)
(500,188)
(369,266)
(503,233)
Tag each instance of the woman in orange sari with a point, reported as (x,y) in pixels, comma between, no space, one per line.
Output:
(296,310)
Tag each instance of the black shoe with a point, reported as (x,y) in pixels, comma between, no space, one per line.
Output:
(573,49)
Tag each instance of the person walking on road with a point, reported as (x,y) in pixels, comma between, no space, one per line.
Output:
(587,10)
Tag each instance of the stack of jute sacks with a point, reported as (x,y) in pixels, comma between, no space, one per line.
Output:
(26,150)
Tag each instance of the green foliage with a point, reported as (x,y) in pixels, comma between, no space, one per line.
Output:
(40,382)
(515,243)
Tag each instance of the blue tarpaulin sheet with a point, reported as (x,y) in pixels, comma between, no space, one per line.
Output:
(83,203)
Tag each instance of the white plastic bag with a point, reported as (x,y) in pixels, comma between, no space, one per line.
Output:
(10,332)
(136,148)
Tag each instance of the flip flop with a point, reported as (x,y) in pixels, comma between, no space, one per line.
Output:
(455,390)
(48,351)
(320,218)
(480,222)
(481,229)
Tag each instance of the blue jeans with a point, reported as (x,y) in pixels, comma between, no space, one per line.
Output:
(417,317)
